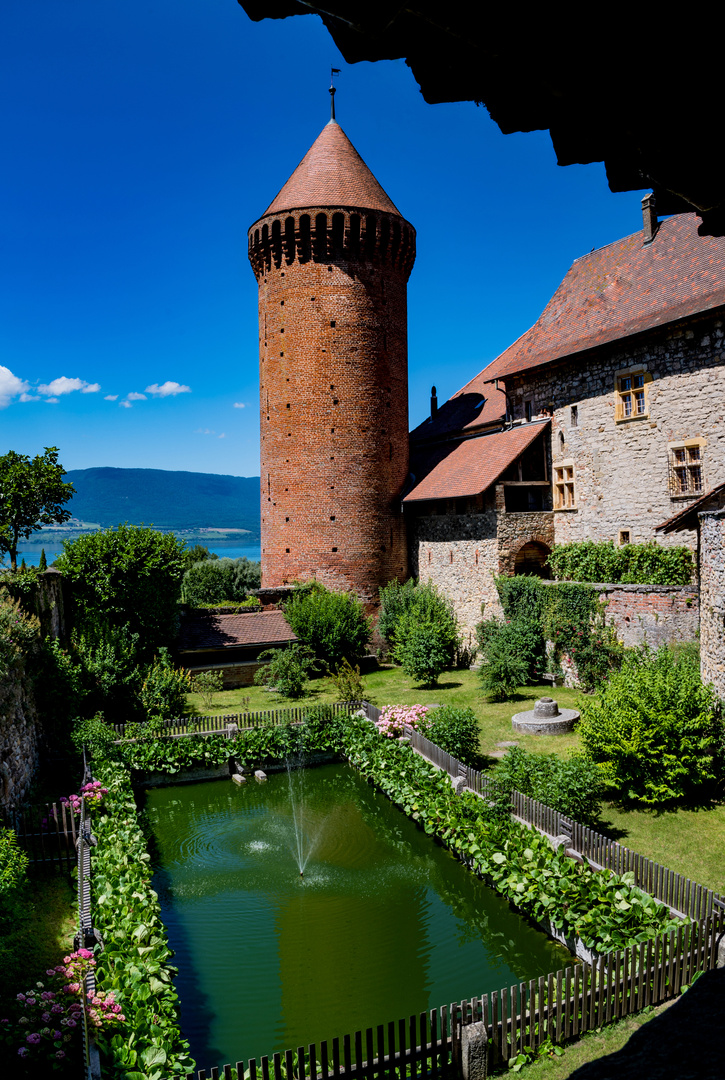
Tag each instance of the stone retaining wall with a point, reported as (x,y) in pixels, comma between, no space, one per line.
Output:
(652,615)
(19,742)
(712,596)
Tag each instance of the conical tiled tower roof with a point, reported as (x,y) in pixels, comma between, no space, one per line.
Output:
(332,173)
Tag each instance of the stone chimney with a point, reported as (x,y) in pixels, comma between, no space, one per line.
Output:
(650,224)
(433,402)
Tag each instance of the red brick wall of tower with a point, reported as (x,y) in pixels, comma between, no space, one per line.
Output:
(333,395)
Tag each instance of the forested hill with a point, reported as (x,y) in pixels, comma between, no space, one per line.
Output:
(168,500)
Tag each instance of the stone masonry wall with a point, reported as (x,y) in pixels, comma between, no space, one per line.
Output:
(459,554)
(652,615)
(712,600)
(516,530)
(621,467)
(19,741)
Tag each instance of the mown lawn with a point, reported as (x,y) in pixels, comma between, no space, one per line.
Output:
(389,686)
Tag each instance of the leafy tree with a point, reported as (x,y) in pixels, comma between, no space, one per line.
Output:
(206,684)
(424,632)
(43,562)
(164,688)
(332,624)
(286,670)
(348,684)
(32,494)
(395,601)
(213,581)
(653,730)
(522,637)
(198,553)
(126,577)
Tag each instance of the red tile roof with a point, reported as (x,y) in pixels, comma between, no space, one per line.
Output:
(463,412)
(470,467)
(619,290)
(332,173)
(687,517)
(200,631)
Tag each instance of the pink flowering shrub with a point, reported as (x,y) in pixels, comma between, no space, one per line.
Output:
(49,1025)
(93,794)
(394,718)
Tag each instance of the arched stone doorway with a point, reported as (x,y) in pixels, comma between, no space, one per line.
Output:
(530,559)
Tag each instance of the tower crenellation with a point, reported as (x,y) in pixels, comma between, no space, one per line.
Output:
(332,256)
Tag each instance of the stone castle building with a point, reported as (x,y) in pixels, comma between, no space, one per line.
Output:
(604,421)
(332,256)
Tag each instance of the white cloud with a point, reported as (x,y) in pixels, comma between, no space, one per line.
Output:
(223,435)
(10,385)
(29,397)
(204,431)
(111,397)
(134,396)
(167,389)
(125,405)
(64,385)
(239,405)
(52,400)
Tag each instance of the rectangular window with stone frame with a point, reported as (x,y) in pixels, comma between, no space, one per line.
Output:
(564,486)
(685,473)
(632,395)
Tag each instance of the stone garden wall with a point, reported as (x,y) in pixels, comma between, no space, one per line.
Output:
(652,615)
(460,555)
(712,599)
(19,741)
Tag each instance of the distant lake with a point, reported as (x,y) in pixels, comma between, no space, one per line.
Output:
(225,549)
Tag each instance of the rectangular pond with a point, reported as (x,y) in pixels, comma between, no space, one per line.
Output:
(383,924)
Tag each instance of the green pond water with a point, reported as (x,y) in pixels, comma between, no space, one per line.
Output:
(385,923)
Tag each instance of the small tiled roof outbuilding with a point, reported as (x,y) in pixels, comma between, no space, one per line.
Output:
(332,173)
(250,628)
(622,289)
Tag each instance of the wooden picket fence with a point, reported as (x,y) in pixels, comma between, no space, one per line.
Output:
(187,725)
(683,896)
(556,1008)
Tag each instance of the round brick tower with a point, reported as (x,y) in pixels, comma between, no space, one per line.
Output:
(332,256)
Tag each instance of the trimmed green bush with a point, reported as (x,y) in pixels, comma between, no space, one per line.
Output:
(572,785)
(636,564)
(653,730)
(455,730)
(286,670)
(332,624)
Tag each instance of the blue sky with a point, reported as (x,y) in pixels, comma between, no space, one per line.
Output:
(140,141)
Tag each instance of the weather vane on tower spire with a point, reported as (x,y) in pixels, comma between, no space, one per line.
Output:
(333,72)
